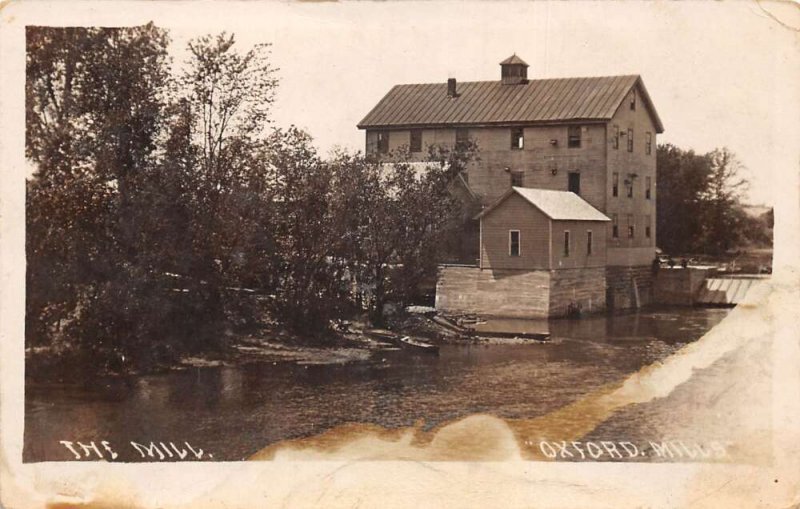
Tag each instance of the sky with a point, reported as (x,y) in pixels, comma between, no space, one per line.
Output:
(719,74)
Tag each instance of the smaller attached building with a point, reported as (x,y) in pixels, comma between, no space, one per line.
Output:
(542,253)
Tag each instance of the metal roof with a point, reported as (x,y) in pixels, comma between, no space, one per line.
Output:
(493,103)
(557,205)
(514,59)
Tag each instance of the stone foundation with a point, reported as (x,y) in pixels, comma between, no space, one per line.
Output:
(621,292)
(583,287)
(679,286)
(519,293)
(507,293)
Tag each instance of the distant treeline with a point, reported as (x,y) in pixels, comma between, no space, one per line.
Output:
(700,208)
(164,208)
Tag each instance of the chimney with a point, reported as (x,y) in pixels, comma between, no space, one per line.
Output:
(451,87)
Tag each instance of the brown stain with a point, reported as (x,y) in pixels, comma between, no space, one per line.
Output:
(485,437)
(110,493)
(478,437)
(3,5)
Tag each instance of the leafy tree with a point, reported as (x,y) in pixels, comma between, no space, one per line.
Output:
(396,216)
(213,159)
(431,213)
(723,218)
(93,97)
(158,205)
(700,201)
(310,273)
(681,179)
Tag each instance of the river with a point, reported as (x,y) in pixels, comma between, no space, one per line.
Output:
(232,412)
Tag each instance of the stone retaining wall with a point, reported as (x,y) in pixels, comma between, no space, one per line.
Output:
(584,287)
(518,293)
(680,286)
(621,293)
(506,293)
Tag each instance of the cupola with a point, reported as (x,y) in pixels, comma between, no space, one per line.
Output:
(513,71)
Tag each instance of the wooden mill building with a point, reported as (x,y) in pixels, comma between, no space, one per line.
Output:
(591,141)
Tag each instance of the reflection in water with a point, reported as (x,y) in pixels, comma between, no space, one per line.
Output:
(234,411)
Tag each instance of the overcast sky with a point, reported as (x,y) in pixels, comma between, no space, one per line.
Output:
(720,74)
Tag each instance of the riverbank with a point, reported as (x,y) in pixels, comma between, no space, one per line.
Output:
(357,341)
(233,410)
(264,343)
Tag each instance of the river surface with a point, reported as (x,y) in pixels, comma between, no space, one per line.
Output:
(232,412)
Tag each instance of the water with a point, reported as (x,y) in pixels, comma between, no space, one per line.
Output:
(232,412)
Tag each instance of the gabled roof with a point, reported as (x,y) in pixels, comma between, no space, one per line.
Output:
(514,59)
(493,103)
(557,205)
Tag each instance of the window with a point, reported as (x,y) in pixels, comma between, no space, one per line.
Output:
(648,143)
(615,226)
(517,138)
(633,100)
(574,182)
(383,142)
(630,140)
(589,242)
(416,140)
(574,137)
(513,242)
(615,184)
(517,178)
(629,186)
(630,226)
(566,243)
(462,136)
(647,226)
(647,183)
(615,137)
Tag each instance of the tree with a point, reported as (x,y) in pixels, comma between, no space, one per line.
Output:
(699,201)
(93,102)
(396,216)
(311,274)
(214,158)
(431,213)
(724,219)
(681,178)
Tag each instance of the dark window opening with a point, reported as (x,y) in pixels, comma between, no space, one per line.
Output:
(574,137)
(648,143)
(588,242)
(517,178)
(615,226)
(615,184)
(513,242)
(630,140)
(647,183)
(647,226)
(574,182)
(629,185)
(517,138)
(566,244)
(462,136)
(630,226)
(633,99)
(416,140)
(383,142)
(615,138)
